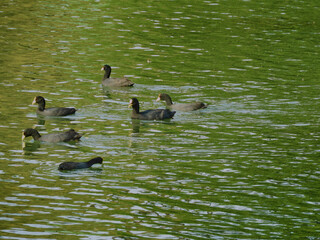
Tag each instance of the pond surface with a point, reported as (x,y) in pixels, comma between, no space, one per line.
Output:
(246,167)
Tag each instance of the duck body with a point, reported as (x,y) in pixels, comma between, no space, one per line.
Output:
(187,107)
(54,111)
(57,111)
(114,82)
(180,106)
(70,135)
(79,165)
(117,82)
(152,114)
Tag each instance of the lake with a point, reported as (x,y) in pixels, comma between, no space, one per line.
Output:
(246,167)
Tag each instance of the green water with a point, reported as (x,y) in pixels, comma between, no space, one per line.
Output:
(247,167)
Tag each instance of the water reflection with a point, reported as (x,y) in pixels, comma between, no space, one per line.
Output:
(46,122)
(29,147)
(41,121)
(42,148)
(136,123)
(76,173)
(150,125)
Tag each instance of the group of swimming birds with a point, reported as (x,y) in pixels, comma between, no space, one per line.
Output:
(72,135)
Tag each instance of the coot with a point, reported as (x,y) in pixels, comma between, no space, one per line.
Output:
(54,111)
(114,82)
(152,114)
(53,137)
(79,165)
(180,106)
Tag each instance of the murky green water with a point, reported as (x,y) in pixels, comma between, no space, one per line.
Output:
(247,167)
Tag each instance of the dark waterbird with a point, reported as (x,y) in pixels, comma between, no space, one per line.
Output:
(114,82)
(70,135)
(180,106)
(54,111)
(79,165)
(152,114)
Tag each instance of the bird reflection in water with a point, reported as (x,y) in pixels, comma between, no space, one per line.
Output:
(136,123)
(30,147)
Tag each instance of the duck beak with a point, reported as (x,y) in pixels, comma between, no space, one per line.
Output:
(23,136)
(34,101)
(102,68)
(130,104)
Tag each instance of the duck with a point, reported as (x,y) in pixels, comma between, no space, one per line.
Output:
(53,111)
(180,106)
(114,82)
(152,114)
(79,165)
(67,136)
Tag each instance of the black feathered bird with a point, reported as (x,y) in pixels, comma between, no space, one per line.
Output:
(70,135)
(152,114)
(79,165)
(114,82)
(54,111)
(180,106)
